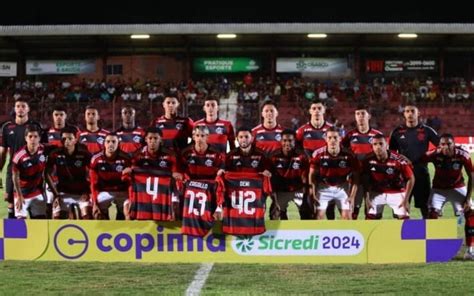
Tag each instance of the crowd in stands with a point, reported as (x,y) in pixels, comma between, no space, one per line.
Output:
(250,89)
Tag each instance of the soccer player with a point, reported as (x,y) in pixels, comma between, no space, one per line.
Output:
(154,167)
(106,182)
(28,165)
(390,181)
(202,164)
(267,136)
(200,160)
(448,181)
(358,141)
(412,140)
(67,177)
(131,137)
(333,173)
(176,130)
(54,139)
(310,135)
(289,176)
(221,132)
(93,136)
(13,139)
(247,157)
(59,122)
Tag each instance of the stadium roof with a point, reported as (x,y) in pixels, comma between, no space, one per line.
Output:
(39,18)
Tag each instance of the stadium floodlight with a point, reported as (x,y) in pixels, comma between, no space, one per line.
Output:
(140,36)
(407,35)
(318,35)
(226,36)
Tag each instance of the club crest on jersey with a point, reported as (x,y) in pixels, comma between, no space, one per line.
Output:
(119,168)
(136,139)
(456,166)
(342,164)
(100,140)
(296,165)
(208,163)
(421,136)
(163,164)
(219,130)
(254,163)
(278,137)
(42,158)
(390,171)
(179,126)
(78,163)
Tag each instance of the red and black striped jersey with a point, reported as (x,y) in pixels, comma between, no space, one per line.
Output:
(220,132)
(359,143)
(151,195)
(202,165)
(176,131)
(389,176)
(267,140)
(93,140)
(334,170)
(242,196)
(448,169)
(287,170)
(254,162)
(30,168)
(311,138)
(71,171)
(164,160)
(130,140)
(106,174)
(199,205)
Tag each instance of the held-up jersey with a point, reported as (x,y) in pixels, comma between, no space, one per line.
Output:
(242,196)
(199,205)
(151,195)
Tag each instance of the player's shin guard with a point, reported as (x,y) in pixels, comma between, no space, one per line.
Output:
(469,228)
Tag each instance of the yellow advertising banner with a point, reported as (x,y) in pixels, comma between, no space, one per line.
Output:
(387,241)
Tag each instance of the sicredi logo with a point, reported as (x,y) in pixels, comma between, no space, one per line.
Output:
(301,243)
(72,242)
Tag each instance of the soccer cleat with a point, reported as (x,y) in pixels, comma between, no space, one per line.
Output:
(468,255)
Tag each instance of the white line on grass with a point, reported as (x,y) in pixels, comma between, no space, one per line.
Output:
(199,279)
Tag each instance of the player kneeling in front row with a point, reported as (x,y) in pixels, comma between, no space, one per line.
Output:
(390,181)
(105,174)
(333,173)
(27,168)
(70,164)
(448,184)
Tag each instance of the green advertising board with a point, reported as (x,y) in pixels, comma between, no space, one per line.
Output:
(225,65)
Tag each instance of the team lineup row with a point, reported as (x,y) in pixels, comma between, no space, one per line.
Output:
(314,166)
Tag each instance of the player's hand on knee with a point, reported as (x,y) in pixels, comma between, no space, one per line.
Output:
(19,203)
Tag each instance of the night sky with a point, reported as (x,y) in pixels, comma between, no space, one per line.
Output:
(186,11)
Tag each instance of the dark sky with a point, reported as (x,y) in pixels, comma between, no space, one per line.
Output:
(191,11)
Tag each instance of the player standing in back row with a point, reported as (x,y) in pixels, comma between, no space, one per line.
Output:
(412,139)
